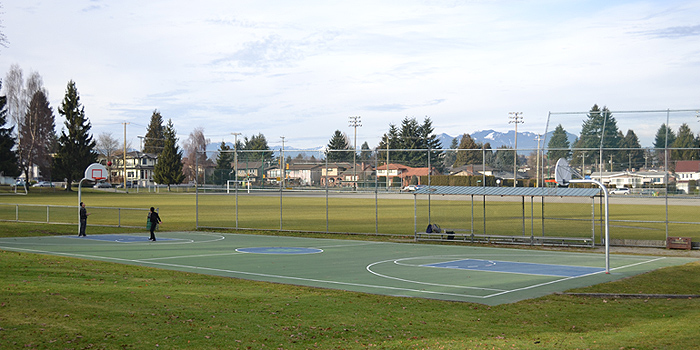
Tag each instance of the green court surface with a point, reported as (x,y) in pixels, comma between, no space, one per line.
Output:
(483,275)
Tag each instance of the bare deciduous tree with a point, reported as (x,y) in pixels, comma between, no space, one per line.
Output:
(195,148)
(107,145)
(37,132)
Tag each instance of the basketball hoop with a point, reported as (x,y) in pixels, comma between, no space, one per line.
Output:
(563,176)
(95,172)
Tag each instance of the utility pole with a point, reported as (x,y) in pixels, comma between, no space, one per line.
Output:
(354,123)
(235,157)
(125,124)
(538,138)
(515,118)
(583,164)
(283,172)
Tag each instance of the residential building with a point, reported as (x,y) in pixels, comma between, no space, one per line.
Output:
(687,171)
(402,175)
(139,167)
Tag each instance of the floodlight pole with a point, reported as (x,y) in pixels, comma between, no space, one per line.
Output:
(606,213)
(516,118)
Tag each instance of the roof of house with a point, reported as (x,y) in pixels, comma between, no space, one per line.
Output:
(688,166)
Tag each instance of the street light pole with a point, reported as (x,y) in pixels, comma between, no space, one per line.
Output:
(515,118)
(354,123)
(235,157)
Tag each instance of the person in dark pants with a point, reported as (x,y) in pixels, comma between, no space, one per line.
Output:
(83,219)
(154,219)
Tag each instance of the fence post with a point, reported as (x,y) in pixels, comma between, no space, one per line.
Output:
(47,215)
(119,217)
(17,212)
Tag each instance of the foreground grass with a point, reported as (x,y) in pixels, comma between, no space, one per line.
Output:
(53,302)
(49,302)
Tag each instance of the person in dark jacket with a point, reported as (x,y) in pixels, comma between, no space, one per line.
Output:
(83,220)
(154,220)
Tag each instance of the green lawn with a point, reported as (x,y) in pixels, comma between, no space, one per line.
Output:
(358,215)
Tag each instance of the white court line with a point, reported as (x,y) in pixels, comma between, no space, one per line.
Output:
(369,269)
(251,273)
(420,291)
(568,278)
(192,256)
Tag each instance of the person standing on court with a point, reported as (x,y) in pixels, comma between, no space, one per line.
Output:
(83,220)
(154,220)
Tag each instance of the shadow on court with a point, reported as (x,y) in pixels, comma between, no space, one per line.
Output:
(458,273)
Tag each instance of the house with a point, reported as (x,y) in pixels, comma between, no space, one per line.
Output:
(139,167)
(332,173)
(402,173)
(304,174)
(471,170)
(358,176)
(632,179)
(687,171)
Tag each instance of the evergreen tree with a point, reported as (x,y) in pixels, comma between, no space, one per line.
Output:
(389,142)
(600,123)
(660,139)
(338,149)
(451,155)
(684,147)
(168,169)
(413,140)
(558,146)
(664,138)
(465,154)
(155,138)
(503,158)
(632,150)
(428,140)
(8,158)
(256,149)
(76,147)
(409,140)
(223,164)
(365,152)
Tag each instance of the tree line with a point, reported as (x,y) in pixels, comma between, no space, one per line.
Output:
(65,154)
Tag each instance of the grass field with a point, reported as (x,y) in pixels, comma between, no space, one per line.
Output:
(53,302)
(392,216)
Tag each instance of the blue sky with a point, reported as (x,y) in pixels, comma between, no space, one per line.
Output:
(300,69)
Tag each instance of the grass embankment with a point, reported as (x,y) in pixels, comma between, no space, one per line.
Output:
(55,302)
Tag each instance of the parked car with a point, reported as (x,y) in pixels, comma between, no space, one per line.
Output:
(43,184)
(411,188)
(20,183)
(102,184)
(620,190)
(129,184)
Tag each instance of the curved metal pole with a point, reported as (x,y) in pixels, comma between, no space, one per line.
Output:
(606,213)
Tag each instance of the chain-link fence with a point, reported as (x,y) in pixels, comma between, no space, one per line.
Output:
(302,190)
(60,214)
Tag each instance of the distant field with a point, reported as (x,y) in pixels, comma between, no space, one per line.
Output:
(358,214)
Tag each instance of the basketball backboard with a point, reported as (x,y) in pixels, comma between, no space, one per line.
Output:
(96,172)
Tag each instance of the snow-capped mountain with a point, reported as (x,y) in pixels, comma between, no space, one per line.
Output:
(527,141)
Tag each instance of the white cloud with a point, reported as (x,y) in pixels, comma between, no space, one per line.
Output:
(300,69)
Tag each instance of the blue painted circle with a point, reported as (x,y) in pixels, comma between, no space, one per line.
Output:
(279,250)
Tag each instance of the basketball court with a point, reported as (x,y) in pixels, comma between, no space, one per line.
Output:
(483,275)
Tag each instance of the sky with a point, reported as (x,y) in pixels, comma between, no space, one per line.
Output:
(299,69)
